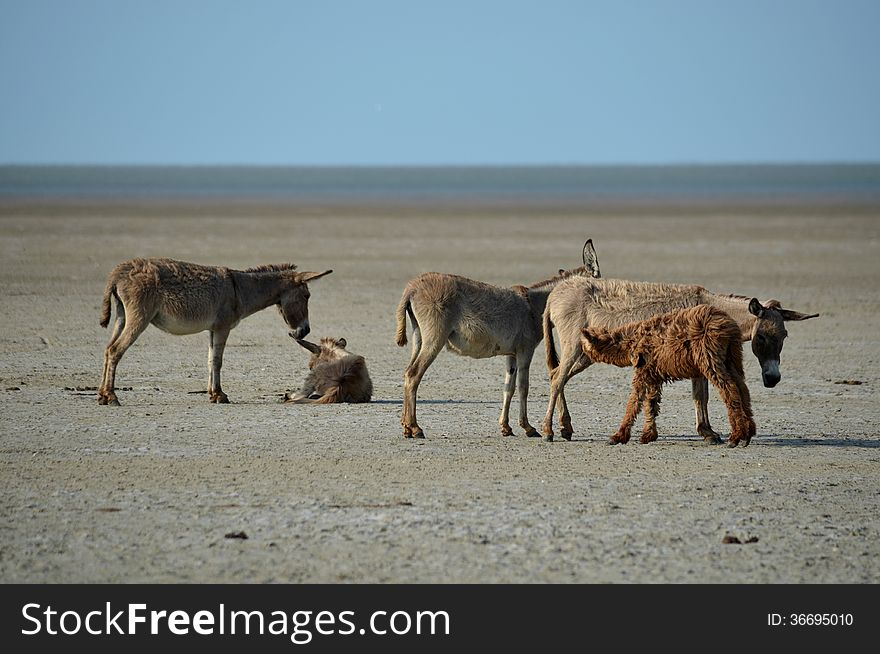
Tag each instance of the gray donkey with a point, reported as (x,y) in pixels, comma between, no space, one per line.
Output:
(186,298)
(477,320)
(336,375)
(578,303)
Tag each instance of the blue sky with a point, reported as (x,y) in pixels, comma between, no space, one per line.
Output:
(441,82)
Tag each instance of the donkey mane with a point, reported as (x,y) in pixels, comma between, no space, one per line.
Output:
(272,267)
(582,270)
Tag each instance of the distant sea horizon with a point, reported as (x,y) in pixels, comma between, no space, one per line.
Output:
(842,183)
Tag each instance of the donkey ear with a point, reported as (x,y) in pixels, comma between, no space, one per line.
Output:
(341,342)
(755,308)
(311,347)
(306,277)
(588,335)
(795,315)
(591,261)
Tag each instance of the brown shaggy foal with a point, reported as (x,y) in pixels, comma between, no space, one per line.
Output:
(699,341)
(336,375)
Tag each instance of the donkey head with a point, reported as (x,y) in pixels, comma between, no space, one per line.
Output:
(330,349)
(768,335)
(294,302)
(604,346)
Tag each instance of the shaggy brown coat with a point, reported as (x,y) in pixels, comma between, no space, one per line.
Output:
(578,302)
(187,298)
(336,375)
(699,341)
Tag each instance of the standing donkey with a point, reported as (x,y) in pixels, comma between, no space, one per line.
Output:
(579,302)
(478,320)
(186,298)
(699,341)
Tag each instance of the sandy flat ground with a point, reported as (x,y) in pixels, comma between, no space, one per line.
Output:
(147,491)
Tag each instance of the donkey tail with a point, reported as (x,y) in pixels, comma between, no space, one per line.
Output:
(549,345)
(109,290)
(402,310)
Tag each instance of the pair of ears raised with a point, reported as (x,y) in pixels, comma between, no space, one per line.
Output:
(760,311)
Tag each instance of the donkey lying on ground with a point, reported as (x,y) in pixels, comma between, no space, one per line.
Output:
(477,320)
(336,375)
(186,298)
(579,302)
(683,344)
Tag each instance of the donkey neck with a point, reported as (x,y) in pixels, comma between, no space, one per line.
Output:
(538,299)
(256,290)
(737,307)
(537,294)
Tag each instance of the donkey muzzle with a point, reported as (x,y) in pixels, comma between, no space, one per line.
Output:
(770,374)
(300,332)
(770,380)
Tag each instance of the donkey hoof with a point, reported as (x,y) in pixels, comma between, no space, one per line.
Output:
(222,399)
(709,435)
(506,430)
(732,443)
(418,433)
(102,399)
(113,401)
(566,434)
(547,438)
(532,433)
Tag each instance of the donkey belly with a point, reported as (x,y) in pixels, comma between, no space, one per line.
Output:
(482,349)
(181,326)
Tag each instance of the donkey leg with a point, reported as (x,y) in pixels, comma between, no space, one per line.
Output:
(557,382)
(134,327)
(729,392)
(509,384)
(414,355)
(633,406)
(118,326)
(565,427)
(746,399)
(215,361)
(416,343)
(412,377)
(652,408)
(700,391)
(523,363)
(559,377)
